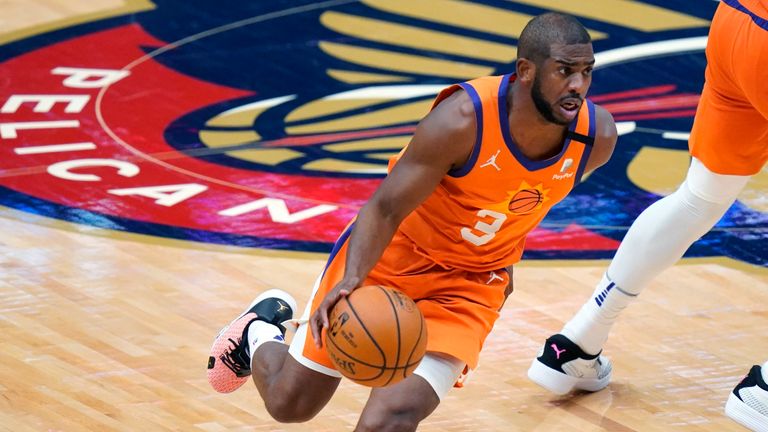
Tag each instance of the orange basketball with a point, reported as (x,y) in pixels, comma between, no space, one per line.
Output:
(377,336)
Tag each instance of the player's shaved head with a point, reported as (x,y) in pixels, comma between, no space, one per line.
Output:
(547,29)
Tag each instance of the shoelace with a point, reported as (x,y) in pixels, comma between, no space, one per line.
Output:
(237,359)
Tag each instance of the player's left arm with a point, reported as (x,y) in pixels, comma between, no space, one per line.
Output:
(605,139)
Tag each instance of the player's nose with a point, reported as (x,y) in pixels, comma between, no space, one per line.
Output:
(576,83)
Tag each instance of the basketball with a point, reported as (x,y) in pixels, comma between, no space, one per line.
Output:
(525,201)
(377,336)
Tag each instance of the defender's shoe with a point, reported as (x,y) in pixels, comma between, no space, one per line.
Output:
(562,366)
(748,402)
(229,364)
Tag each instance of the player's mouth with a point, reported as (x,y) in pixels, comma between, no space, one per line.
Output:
(569,107)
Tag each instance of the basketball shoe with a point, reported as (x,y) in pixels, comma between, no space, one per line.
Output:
(562,366)
(748,402)
(229,364)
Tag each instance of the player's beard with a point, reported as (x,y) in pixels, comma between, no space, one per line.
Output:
(544,107)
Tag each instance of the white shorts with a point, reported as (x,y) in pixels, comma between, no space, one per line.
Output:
(441,371)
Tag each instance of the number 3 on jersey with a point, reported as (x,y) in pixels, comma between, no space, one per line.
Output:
(489,230)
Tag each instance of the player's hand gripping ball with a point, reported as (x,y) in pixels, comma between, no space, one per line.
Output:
(377,336)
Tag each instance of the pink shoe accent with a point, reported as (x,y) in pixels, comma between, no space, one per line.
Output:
(557,351)
(222,369)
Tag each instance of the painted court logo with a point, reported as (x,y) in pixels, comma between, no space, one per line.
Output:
(238,128)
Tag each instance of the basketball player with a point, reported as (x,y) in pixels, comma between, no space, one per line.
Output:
(445,226)
(729,143)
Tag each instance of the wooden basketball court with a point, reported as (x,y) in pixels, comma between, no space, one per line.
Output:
(103,330)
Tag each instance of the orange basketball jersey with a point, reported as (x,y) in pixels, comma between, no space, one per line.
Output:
(755,8)
(479,215)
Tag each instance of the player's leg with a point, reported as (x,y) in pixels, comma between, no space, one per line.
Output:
(294,382)
(253,345)
(748,402)
(728,145)
(291,391)
(459,308)
(656,240)
(401,407)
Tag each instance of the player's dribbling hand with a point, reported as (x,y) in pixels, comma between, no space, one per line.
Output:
(319,318)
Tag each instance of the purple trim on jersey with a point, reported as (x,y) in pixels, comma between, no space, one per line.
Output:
(587,145)
(760,21)
(337,246)
(592,124)
(504,122)
(464,169)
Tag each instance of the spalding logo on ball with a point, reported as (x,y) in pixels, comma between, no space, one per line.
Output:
(377,336)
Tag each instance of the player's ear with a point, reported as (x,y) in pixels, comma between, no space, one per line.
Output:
(526,69)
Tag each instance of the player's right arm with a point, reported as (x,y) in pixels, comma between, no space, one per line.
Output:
(443,140)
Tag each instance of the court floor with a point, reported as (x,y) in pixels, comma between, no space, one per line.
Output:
(108,307)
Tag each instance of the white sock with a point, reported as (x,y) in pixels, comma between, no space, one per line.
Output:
(655,241)
(590,326)
(764,370)
(261,332)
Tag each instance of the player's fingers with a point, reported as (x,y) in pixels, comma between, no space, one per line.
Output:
(324,314)
(316,327)
(325,306)
(320,317)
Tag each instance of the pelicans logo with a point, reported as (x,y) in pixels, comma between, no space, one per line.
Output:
(269,124)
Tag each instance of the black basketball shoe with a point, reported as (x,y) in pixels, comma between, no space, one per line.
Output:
(748,402)
(229,364)
(562,366)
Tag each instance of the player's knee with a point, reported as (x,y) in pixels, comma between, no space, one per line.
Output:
(294,404)
(389,421)
(284,409)
(296,393)
(713,188)
(390,415)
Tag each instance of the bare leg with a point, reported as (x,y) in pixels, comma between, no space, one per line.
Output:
(399,407)
(291,392)
(253,345)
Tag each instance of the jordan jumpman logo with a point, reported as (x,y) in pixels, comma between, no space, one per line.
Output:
(492,161)
(557,351)
(494,277)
